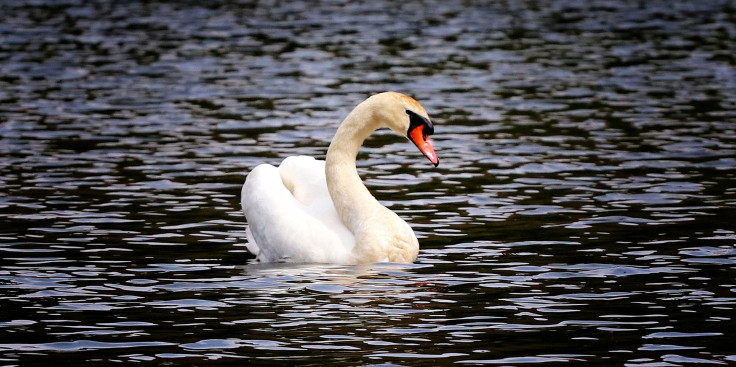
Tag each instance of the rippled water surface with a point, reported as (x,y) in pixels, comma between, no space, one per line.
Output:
(583,211)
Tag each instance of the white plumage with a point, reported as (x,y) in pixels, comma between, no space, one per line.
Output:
(309,210)
(294,199)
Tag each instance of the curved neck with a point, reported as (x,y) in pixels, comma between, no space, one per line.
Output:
(349,194)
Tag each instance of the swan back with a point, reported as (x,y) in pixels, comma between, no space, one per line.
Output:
(291,216)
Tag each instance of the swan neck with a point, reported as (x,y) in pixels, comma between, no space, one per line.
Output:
(351,198)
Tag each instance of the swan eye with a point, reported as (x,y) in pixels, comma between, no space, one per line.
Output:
(416,120)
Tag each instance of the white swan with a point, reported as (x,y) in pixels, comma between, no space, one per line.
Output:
(312,211)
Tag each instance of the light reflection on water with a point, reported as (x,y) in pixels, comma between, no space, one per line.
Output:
(582,211)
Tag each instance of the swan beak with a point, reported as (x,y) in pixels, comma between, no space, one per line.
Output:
(418,136)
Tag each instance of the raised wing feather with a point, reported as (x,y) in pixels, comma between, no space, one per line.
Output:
(291,216)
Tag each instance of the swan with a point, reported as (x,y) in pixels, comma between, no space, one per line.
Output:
(314,211)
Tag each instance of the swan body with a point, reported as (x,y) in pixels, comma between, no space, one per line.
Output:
(313,211)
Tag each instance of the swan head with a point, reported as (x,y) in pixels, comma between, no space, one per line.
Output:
(406,117)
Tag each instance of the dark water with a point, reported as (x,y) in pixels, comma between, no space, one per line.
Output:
(583,212)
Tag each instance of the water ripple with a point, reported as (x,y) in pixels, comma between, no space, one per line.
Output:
(585,195)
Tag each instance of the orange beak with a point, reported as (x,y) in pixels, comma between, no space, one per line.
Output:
(421,140)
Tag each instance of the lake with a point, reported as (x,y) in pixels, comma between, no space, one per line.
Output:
(582,212)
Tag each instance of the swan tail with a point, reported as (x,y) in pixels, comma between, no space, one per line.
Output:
(252,246)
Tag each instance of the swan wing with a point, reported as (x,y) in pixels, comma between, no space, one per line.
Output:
(291,216)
